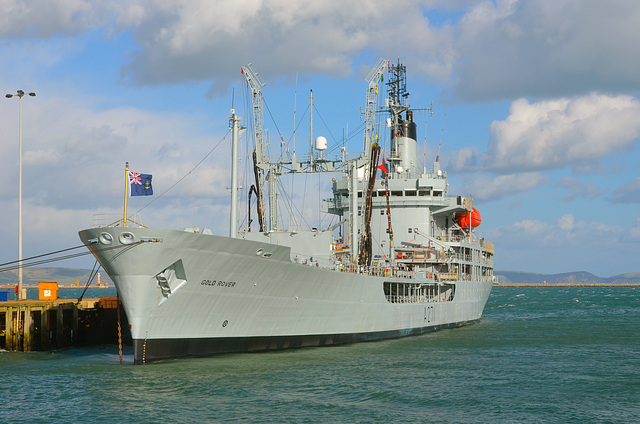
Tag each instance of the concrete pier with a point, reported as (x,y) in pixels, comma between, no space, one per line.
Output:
(29,325)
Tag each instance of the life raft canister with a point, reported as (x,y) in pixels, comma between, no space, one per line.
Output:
(469,219)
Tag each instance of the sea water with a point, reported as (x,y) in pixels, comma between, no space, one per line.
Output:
(539,355)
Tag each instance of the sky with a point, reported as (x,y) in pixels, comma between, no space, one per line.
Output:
(536,113)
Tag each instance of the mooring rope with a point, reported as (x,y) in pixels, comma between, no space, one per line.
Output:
(92,275)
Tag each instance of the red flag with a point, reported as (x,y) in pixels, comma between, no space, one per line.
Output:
(383,168)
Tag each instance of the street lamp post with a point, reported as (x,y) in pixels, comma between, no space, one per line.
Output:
(20,94)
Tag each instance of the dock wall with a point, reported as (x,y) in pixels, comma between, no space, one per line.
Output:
(30,325)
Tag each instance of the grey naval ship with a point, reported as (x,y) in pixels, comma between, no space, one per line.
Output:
(401,258)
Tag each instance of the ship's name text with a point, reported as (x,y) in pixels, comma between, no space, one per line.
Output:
(218,283)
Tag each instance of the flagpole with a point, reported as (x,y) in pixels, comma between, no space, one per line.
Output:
(126,191)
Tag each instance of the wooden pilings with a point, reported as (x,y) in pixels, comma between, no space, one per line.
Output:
(29,325)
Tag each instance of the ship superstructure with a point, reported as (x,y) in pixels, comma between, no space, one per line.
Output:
(402,259)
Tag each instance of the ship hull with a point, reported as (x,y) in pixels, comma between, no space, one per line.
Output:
(189,294)
(158,349)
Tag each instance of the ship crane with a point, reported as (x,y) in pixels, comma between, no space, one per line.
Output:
(260,165)
(373,78)
(371,152)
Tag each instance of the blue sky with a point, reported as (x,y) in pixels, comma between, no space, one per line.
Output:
(535,106)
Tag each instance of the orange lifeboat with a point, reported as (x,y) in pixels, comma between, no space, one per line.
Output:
(469,219)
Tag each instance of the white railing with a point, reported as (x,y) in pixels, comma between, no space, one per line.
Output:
(114,220)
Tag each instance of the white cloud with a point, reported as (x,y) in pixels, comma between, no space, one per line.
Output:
(495,50)
(41,157)
(44,18)
(204,40)
(532,227)
(627,193)
(464,160)
(578,188)
(562,246)
(485,188)
(558,133)
(635,230)
(566,222)
(546,48)
(75,156)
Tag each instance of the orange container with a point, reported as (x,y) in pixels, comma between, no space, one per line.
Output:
(48,291)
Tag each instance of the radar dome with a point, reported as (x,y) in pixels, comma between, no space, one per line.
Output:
(321,143)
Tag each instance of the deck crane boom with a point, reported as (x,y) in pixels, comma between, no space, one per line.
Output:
(371,152)
(373,78)
(256,84)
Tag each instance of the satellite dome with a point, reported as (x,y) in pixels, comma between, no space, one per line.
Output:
(321,143)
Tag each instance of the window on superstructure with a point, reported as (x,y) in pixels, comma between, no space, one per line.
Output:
(409,192)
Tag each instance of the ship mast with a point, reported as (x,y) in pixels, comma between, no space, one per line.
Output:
(236,130)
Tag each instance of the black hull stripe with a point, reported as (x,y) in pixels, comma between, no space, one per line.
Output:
(158,349)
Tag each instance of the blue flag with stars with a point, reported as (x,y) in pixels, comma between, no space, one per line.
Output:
(140,184)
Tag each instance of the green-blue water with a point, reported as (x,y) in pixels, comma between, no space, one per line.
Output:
(540,355)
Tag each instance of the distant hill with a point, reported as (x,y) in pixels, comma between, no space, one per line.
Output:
(579,277)
(62,276)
